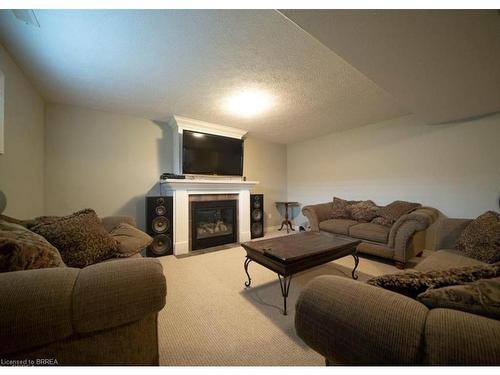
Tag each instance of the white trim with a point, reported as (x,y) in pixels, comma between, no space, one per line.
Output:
(216,185)
(183,123)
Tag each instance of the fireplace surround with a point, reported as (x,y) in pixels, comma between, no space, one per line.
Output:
(186,191)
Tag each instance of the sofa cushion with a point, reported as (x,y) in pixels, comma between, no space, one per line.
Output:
(415,282)
(481,297)
(80,238)
(387,215)
(363,211)
(340,208)
(370,231)
(338,226)
(446,259)
(481,238)
(130,240)
(21,249)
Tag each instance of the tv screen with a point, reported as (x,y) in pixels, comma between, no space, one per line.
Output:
(211,154)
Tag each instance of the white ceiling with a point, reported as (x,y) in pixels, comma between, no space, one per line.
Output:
(154,64)
(443,65)
(338,70)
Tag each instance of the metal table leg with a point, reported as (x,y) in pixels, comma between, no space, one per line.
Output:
(285,287)
(356,262)
(245,265)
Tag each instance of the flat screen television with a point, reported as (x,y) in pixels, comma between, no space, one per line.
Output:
(209,154)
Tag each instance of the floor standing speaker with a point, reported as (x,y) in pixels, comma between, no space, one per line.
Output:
(256,215)
(159,225)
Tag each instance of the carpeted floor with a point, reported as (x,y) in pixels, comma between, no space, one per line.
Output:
(211,319)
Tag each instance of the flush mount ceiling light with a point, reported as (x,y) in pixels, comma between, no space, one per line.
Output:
(248,102)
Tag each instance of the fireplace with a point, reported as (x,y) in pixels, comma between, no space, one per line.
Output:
(213,223)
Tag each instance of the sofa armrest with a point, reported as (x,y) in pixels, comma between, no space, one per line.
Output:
(351,322)
(316,213)
(458,338)
(403,230)
(113,293)
(110,222)
(448,231)
(46,305)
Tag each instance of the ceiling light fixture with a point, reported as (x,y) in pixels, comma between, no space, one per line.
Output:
(248,102)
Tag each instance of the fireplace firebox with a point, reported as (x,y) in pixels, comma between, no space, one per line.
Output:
(213,223)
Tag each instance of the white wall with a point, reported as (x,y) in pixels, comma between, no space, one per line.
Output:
(102,160)
(109,162)
(454,167)
(266,162)
(22,164)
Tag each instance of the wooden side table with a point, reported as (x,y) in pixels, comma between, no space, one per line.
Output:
(287,221)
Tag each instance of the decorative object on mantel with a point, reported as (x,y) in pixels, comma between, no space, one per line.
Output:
(286,222)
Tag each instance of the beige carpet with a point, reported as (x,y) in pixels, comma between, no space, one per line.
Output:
(211,319)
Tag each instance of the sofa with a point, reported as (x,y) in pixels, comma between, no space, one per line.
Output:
(350,322)
(103,314)
(400,242)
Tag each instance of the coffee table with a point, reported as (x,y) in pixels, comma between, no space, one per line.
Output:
(288,255)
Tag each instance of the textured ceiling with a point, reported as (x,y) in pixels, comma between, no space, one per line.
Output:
(157,63)
(444,65)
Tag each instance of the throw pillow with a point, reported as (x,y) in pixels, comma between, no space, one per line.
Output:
(481,238)
(340,208)
(80,238)
(388,215)
(130,240)
(21,249)
(413,283)
(481,297)
(8,219)
(362,211)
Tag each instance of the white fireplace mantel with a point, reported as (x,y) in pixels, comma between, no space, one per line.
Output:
(180,190)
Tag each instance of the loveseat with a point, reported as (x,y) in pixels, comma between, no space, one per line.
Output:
(351,322)
(102,314)
(401,241)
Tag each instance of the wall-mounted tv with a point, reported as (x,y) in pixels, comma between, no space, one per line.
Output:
(210,154)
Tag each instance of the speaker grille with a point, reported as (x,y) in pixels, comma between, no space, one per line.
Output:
(257,230)
(162,245)
(160,224)
(256,215)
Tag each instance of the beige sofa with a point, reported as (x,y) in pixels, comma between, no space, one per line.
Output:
(102,314)
(355,323)
(401,242)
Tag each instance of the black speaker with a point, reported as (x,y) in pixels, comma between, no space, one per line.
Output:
(256,215)
(159,225)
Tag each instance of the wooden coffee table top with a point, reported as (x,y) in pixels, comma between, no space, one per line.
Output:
(296,247)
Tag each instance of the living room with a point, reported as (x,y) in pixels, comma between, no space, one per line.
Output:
(326,194)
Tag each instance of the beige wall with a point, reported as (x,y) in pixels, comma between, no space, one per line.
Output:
(102,160)
(22,164)
(109,162)
(453,167)
(266,162)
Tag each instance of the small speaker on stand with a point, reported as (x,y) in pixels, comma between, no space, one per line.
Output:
(256,215)
(159,225)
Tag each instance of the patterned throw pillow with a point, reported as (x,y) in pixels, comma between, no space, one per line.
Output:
(388,215)
(130,240)
(363,211)
(481,238)
(80,238)
(21,249)
(481,297)
(340,208)
(413,283)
